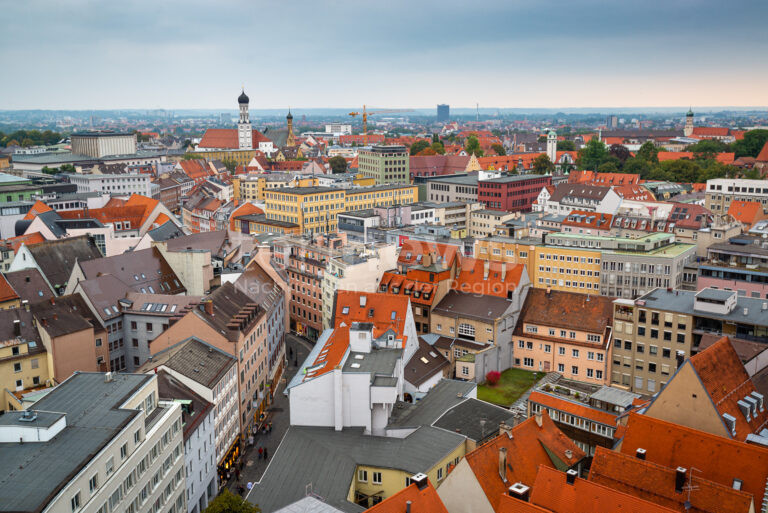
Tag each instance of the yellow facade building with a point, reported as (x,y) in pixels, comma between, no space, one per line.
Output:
(557,268)
(23,365)
(315,209)
(252,187)
(239,157)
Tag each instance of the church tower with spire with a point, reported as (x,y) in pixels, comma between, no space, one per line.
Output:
(244,129)
(290,139)
(688,130)
(552,146)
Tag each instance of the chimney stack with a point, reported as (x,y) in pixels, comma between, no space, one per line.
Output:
(680,479)
(407,506)
(503,463)
(420,480)
(519,491)
(208,307)
(640,453)
(570,476)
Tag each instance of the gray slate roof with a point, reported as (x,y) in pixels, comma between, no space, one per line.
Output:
(194,359)
(56,258)
(477,420)
(28,479)
(443,396)
(327,459)
(309,505)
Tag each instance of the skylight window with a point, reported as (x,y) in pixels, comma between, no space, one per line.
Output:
(173,308)
(345,310)
(394,315)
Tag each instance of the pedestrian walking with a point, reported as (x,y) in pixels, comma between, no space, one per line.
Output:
(261,452)
(265,454)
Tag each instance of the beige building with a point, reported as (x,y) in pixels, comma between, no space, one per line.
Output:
(103,144)
(484,223)
(359,271)
(116,447)
(722,191)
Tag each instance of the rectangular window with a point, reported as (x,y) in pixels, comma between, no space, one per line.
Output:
(362,476)
(75,502)
(376,478)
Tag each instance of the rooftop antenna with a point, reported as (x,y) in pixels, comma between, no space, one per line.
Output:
(689,487)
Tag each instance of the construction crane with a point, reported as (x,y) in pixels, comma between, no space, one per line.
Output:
(365,113)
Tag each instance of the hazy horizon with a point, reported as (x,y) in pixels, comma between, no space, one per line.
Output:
(591,54)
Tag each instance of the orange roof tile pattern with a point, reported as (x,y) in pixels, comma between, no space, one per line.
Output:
(420,292)
(726,158)
(711,131)
(527,449)
(243,210)
(717,458)
(26,239)
(509,162)
(569,310)
(746,212)
(501,277)
(588,219)
(723,376)
(384,311)
(196,169)
(604,179)
(426,500)
(227,138)
(634,192)
(656,483)
(6,291)
(552,492)
(574,408)
(38,208)
(331,355)
(412,252)
(763,155)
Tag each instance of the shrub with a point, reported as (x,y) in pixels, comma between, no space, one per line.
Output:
(493,377)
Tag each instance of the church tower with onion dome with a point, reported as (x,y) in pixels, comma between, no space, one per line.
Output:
(244,129)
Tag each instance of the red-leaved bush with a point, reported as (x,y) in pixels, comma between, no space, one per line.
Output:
(493,377)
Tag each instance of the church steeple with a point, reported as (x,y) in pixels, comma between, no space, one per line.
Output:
(688,130)
(244,130)
(291,139)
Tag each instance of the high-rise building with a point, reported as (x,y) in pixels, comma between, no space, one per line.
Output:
(612,122)
(443,112)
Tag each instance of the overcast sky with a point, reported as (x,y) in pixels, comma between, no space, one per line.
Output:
(78,54)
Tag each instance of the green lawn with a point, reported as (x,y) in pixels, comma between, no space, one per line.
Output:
(513,383)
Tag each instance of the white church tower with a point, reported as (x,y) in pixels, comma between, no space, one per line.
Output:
(552,146)
(688,130)
(244,130)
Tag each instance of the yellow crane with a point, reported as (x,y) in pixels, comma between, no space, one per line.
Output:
(365,113)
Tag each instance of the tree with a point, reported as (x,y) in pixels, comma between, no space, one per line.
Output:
(229,164)
(648,152)
(620,152)
(418,146)
(493,377)
(227,502)
(473,146)
(708,148)
(751,144)
(67,168)
(499,149)
(438,147)
(566,146)
(338,164)
(427,152)
(592,155)
(637,166)
(542,164)
(435,138)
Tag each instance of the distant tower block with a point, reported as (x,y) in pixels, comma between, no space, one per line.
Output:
(552,146)
(443,112)
(244,130)
(688,130)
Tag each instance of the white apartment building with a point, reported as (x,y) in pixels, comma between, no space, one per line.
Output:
(103,144)
(116,185)
(97,443)
(722,191)
(211,374)
(358,271)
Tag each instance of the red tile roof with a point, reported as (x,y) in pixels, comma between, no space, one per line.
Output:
(724,158)
(530,446)
(574,408)
(587,219)
(746,212)
(502,277)
(723,376)
(634,192)
(605,179)
(436,165)
(227,138)
(196,169)
(552,493)
(360,139)
(331,355)
(422,501)
(656,483)
(6,291)
(243,210)
(711,131)
(391,280)
(717,458)
(567,310)
(763,155)
(38,208)
(26,239)
(384,311)
(411,249)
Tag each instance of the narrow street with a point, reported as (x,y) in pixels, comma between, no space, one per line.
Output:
(297,349)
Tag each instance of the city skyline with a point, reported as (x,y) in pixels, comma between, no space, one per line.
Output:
(587,54)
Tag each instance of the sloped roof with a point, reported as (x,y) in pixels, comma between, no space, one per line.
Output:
(553,494)
(144,269)
(746,212)
(438,164)
(656,483)
(502,277)
(464,304)
(27,239)
(723,376)
(717,458)
(763,155)
(64,315)
(573,407)
(226,138)
(426,500)
(724,158)
(425,363)
(411,249)
(588,219)
(568,310)
(529,446)
(29,284)
(566,190)
(384,311)
(56,258)
(6,291)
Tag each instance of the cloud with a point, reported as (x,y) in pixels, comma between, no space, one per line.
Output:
(506,53)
